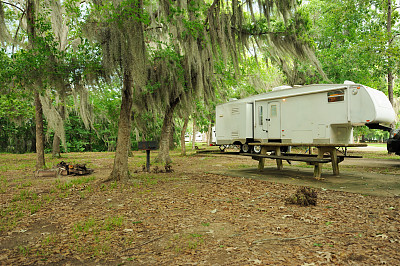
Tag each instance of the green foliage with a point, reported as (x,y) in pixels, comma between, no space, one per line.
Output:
(126,9)
(18,136)
(351,40)
(363,133)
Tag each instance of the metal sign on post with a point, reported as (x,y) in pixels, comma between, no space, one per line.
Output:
(148,146)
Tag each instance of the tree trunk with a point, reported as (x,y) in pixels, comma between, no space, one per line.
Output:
(389,32)
(194,134)
(137,135)
(56,151)
(183,132)
(163,154)
(30,17)
(209,135)
(130,153)
(40,163)
(134,76)
(390,86)
(120,168)
(171,136)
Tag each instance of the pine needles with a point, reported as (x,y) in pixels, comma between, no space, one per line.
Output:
(304,196)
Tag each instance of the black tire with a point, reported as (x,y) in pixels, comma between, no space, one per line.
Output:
(257,149)
(245,148)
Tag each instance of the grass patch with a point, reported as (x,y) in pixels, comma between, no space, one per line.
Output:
(25,195)
(3,184)
(93,237)
(185,242)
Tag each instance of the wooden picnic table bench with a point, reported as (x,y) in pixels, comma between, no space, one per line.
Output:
(310,159)
(317,161)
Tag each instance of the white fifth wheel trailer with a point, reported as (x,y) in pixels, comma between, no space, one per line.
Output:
(319,114)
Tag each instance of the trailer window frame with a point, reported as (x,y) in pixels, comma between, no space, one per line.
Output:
(336,96)
(260,115)
(274,110)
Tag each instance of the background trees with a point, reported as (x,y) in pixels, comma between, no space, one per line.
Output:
(161,63)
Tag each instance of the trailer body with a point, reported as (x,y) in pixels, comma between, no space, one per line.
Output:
(320,114)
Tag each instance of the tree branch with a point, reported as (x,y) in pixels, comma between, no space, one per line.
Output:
(153,28)
(16,32)
(256,33)
(394,36)
(313,235)
(13,6)
(302,237)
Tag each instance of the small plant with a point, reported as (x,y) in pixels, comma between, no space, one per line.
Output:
(63,186)
(27,184)
(24,250)
(50,239)
(25,195)
(113,222)
(113,185)
(205,224)
(34,207)
(185,242)
(82,180)
(85,226)
(3,184)
(82,194)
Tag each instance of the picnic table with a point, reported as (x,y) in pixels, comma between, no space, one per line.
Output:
(316,160)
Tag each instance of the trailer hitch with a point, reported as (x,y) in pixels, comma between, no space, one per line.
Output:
(377,126)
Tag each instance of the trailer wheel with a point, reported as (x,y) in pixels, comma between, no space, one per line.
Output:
(257,149)
(245,148)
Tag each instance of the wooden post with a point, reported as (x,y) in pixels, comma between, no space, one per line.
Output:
(148,161)
(318,166)
(278,161)
(335,162)
(261,161)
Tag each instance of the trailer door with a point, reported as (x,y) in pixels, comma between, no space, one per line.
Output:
(274,120)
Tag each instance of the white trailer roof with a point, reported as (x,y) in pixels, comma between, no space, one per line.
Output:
(295,91)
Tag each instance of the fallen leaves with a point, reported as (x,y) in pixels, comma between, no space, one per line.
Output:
(192,216)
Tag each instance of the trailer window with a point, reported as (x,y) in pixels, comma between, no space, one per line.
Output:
(273,111)
(260,115)
(335,96)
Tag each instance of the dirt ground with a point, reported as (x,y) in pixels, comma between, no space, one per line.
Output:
(212,210)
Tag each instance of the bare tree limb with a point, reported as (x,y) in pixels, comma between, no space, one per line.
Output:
(13,6)
(303,237)
(394,36)
(309,236)
(144,243)
(16,32)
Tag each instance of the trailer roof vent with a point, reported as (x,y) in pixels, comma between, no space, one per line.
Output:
(348,82)
(284,87)
(232,99)
(235,110)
